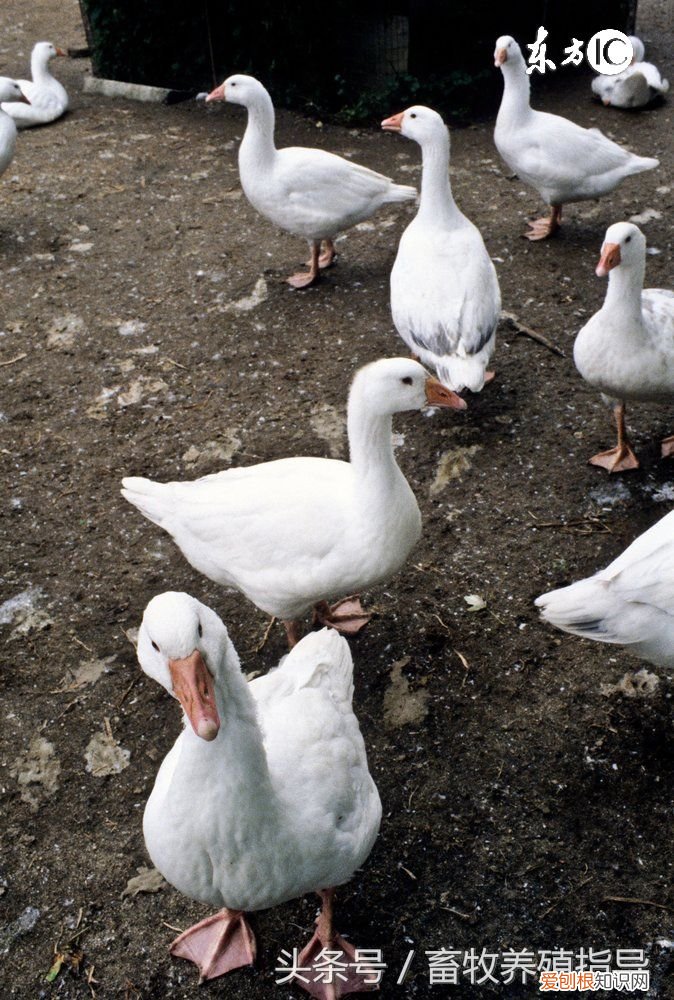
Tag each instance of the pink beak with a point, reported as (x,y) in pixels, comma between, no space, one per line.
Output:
(500,56)
(394,123)
(610,258)
(218,94)
(23,99)
(193,687)
(60,52)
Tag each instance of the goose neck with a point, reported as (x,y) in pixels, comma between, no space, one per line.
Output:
(515,103)
(258,140)
(39,68)
(371,445)
(623,294)
(436,202)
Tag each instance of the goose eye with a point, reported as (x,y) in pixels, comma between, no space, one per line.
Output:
(628,239)
(154,645)
(408,378)
(413,116)
(200,630)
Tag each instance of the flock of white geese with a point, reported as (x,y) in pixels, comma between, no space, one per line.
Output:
(266,794)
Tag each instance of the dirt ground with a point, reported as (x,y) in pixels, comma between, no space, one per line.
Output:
(146,329)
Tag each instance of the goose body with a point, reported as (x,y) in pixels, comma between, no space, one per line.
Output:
(630,603)
(266,794)
(561,160)
(626,350)
(308,192)
(445,297)
(635,87)
(296,531)
(9,90)
(47,96)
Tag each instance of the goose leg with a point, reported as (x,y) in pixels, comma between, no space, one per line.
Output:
(667,447)
(327,258)
(347,616)
(540,229)
(621,458)
(303,279)
(293,632)
(331,981)
(217,944)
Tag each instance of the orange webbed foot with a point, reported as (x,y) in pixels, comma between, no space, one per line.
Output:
(346,616)
(217,944)
(330,964)
(618,459)
(303,279)
(667,447)
(540,229)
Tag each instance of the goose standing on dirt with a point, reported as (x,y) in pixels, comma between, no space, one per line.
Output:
(266,795)
(627,348)
(635,87)
(630,603)
(48,98)
(307,192)
(9,91)
(293,533)
(445,296)
(561,160)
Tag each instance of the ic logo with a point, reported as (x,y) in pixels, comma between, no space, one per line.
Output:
(609,52)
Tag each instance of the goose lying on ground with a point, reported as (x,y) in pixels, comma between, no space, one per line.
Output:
(445,296)
(266,794)
(307,192)
(635,87)
(562,160)
(293,533)
(627,348)
(48,98)
(9,91)
(630,603)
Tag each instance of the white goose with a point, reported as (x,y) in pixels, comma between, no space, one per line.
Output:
(630,603)
(626,350)
(295,532)
(9,91)
(266,794)
(445,296)
(308,192)
(48,98)
(635,87)
(562,160)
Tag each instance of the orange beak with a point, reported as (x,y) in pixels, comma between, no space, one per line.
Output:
(500,56)
(438,394)
(60,52)
(218,94)
(394,123)
(610,258)
(193,687)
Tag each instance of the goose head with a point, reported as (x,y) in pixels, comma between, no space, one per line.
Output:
(238,89)
(11,91)
(419,123)
(624,246)
(172,650)
(638,50)
(44,52)
(507,50)
(394,385)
